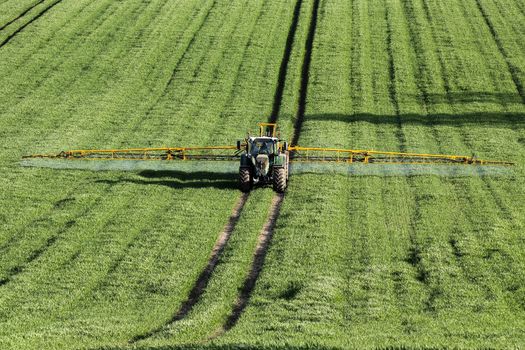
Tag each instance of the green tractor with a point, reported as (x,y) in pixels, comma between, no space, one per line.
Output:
(264,161)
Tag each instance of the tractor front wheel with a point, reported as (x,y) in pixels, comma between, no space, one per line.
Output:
(245,179)
(279,179)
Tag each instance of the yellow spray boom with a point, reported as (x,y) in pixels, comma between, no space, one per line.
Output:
(265,158)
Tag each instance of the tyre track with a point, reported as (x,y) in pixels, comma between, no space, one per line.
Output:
(21,14)
(266,234)
(34,19)
(278,97)
(204,277)
(265,237)
(305,73)
(392,90)
(513,70)
(263,242)
(232,88)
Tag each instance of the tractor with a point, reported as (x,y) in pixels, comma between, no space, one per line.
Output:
(264,160)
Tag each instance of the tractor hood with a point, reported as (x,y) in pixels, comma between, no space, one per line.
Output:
(262,164)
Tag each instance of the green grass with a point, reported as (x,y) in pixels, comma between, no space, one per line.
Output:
(92,259)
(96,258)
(421,261)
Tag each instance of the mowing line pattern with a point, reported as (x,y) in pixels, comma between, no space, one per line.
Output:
(21,14)
(34,19)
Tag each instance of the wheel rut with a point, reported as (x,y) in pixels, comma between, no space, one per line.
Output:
(267,231)
(305,74)
(21,14)
(263,242)
(202,281)
(40,14)
(266,234)
(283,69)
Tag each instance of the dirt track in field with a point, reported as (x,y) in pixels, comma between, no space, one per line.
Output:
(205,275)
(265,237)
(263,242)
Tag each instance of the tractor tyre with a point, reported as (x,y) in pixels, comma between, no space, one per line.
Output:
(245,179)
(279,179)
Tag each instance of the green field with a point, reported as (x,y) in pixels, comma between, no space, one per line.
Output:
(128,259)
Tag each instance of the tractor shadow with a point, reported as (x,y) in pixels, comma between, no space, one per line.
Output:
(176,179)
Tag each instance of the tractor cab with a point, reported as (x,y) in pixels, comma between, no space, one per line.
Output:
(263,145)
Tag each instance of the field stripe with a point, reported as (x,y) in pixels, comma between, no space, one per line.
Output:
(103,16)
(50,240)
(460,189)
(176,67)
(285,58)
(21,14)
(513,70)
(182,57)
(65,91)
(392,89)
(204,277)
(34,19)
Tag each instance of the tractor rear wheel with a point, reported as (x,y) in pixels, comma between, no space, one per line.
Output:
(245,179)
(279,179)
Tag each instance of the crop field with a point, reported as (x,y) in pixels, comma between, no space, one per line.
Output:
(165,259)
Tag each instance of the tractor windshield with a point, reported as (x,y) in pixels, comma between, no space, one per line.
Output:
(262,146)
